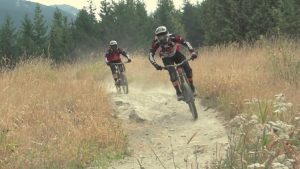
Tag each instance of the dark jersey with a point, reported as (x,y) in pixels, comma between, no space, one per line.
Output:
(114,55)
(169,48)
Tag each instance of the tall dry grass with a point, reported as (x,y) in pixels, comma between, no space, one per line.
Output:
(241,82)
(227,75)
(56,117)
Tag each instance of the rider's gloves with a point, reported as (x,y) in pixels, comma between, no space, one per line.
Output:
(158,67)
(194,55)
(129,60)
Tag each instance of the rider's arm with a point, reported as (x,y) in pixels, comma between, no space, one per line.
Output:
(106,58)
(153,49)
(182,41)
(122,52)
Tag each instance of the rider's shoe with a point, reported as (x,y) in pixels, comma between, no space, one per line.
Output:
(179,96)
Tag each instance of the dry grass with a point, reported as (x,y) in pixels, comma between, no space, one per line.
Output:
(61,118)
(244,80)
(56,117)
(228,75)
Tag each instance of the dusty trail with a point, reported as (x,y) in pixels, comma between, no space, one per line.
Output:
(157,124)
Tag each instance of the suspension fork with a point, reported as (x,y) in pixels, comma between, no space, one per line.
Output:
(180,75)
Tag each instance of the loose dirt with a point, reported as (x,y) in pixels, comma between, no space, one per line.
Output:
(162,133)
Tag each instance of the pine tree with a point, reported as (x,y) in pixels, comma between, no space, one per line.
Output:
(237,21)
(61,42)
(84,29)
(167,15)
(40,31)
(68,40)
(107,23)
(191,21)
(8,44)
(144,27)
(26,42)
(288,15)
(92,13)
(259,18)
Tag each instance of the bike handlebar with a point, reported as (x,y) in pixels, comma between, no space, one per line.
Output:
(176,65)
(118,63)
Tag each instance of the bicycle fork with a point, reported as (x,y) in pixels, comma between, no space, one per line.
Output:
(184,86)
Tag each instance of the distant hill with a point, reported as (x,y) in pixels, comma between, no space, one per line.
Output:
(16,9)
(67,8)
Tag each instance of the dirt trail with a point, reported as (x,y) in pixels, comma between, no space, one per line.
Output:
(157,124)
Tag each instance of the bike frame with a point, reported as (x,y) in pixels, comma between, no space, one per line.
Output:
(118,72)
(123,84)
(185,87)
(182,79)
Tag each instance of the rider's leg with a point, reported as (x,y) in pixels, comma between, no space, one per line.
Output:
(113,71)
(122,67)
(179,57)
(173,76)
(115,76)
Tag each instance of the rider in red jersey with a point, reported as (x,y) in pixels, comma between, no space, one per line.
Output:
(113,55)
(169,46)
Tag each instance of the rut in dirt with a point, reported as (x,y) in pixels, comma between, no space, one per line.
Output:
(162,132)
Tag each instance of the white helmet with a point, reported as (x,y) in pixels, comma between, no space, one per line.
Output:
(161,30)
(113,42)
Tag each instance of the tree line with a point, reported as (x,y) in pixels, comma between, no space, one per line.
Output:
(127,21)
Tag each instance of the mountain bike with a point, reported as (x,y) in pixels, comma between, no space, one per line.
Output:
(121,83)
(188,95)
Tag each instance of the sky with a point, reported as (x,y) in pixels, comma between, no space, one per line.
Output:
(150,4)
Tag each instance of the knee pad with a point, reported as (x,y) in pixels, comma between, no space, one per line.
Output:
(189,71)
(173,77)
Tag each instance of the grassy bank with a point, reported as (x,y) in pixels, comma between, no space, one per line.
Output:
(228,75)
(258,87)
(57,117)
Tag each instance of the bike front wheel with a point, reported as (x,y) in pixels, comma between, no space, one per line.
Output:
(193,110)
(124,84)
(189,98)
(118,88)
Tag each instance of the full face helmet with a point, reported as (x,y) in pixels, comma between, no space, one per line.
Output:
(162,34)
(113,45)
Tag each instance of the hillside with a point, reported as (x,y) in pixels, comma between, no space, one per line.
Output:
(16,9)
(67,8)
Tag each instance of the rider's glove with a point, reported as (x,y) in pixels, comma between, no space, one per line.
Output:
(194,55)
(129,60)
(157,67)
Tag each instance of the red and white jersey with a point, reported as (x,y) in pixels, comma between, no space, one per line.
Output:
(114,55)
(169,48)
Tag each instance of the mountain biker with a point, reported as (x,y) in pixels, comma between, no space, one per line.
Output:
(113,55)
(169,45)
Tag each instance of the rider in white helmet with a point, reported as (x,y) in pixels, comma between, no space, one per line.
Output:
(113,55)
(169,45)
